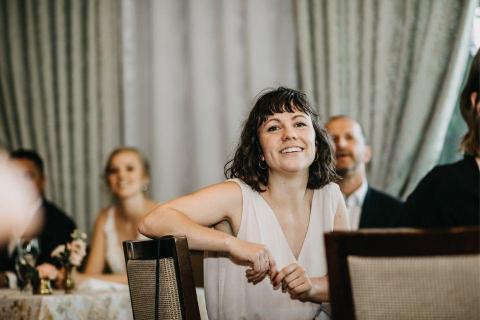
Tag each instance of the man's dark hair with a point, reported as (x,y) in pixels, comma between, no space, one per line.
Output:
(246,163)
(31,155)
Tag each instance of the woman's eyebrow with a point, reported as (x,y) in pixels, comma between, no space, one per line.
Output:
(299,115)
(270,120)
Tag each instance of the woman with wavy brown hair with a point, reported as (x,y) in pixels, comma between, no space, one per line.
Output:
(448,195)
(269,216)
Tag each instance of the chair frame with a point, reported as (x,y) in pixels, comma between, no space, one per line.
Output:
(166,247)
(387,243)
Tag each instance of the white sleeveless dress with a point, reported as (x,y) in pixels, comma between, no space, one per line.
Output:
(230,296)
(114,251)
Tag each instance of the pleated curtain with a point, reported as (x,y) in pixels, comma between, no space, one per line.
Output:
(395,66)
(192,69)
(61,94)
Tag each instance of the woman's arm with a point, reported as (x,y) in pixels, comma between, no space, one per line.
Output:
(96,257)
(193,214)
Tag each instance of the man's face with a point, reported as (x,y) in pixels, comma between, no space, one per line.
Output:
(32,173)
(351,152)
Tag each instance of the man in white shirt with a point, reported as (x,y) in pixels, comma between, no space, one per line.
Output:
(368,208)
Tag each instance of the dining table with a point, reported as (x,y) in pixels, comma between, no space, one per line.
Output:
(94,299)
(80,304)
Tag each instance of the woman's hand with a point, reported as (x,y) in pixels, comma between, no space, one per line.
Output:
(294,280)
(254,255)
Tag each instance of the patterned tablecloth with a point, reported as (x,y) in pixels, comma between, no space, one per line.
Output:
(82,304)
(91,302)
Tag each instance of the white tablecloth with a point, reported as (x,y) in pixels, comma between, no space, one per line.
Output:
(77,305)
(92,301)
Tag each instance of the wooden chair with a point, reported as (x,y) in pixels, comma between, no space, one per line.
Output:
(160,279)
(404,274)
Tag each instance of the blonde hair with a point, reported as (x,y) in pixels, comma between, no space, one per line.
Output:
(143,160)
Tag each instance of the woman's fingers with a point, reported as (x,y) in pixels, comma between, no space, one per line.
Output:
(280,276)
(256,256)
(295,274)
(272,266)
(300,292)
(254,276)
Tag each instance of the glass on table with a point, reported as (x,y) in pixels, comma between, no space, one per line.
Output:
(26,255)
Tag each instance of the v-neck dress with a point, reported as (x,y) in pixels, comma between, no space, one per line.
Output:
(113,251)
(230,296)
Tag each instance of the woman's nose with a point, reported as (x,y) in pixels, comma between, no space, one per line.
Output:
(289,133)
(121,174)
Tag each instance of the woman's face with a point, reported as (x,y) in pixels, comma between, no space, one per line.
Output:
(126,176)
(288,141)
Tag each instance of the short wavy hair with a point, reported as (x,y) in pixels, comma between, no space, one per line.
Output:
(245,164)
(471,140)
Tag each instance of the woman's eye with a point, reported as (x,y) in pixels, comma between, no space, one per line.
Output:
(130,169)
(112,171)
(272,128)
(300,124)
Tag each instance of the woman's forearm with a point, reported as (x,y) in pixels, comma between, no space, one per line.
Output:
(168,221)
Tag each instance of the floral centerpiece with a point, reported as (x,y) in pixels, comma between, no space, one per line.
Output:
(70,256)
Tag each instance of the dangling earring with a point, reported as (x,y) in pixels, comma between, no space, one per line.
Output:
(316,156)
(145,188)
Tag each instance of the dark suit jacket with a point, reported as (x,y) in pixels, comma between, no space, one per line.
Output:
(448,196)
(57,227)
(379,210)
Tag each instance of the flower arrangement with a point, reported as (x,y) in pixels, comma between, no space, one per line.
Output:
(70,256)
(73,252)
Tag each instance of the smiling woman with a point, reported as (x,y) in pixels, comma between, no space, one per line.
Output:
(127,177)
(268,218)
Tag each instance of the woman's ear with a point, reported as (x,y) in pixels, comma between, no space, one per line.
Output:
(473,98)
(475,101)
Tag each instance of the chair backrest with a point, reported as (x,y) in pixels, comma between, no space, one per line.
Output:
(160,279)
(404,274)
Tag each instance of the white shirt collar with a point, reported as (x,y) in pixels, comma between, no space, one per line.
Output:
(358,196)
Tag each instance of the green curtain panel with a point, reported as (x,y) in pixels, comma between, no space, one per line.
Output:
(60,93)
(395,66)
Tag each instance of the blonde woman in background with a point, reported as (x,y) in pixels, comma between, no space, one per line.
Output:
(127,177)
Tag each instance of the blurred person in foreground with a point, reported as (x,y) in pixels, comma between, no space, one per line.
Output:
(367,207)
(16,199)
(448,196)
(48,227)
(269,217)
(127,176)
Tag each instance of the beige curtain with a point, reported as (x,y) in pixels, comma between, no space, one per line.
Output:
(191,71)
(396,66)
(60,93)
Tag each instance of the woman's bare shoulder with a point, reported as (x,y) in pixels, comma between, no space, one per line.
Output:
(102,216)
